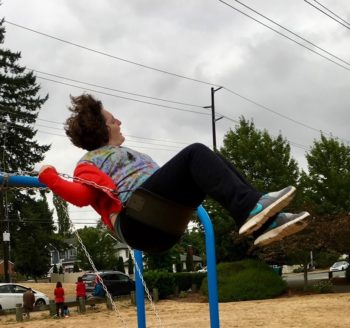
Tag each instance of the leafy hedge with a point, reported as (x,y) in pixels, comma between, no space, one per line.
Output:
(246,280)
(166,282)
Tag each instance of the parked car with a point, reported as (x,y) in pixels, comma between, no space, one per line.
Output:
(204,269)
(12,294)
(117,283)
(339,266)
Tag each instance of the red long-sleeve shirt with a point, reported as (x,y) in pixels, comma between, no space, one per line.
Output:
(80,289)
(80,193)
(59,295)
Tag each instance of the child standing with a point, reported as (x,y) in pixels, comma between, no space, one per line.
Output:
(59,299)
(80,289)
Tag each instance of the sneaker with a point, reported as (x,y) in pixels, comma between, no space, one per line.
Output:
(267,206)
(285,224)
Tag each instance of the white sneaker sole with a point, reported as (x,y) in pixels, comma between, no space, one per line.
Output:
(258,220)
(284,230)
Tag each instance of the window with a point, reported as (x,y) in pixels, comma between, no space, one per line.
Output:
(5,289)
(19,289)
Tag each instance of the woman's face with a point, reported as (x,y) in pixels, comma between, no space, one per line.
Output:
(113,125)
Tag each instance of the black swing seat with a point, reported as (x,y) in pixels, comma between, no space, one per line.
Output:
(152,223)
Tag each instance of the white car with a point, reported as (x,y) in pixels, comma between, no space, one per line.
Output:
(12,294)
(339,266)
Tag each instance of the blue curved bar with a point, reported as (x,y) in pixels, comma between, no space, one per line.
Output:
(211,267)
(212,276)
(20,181)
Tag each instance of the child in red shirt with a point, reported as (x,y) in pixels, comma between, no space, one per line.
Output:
(80,289)
(59,299)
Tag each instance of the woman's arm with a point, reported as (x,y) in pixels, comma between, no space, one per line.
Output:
(73,192)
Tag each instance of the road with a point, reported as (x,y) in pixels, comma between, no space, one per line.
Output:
(312,275)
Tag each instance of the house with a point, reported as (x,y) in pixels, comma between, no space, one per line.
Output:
(123,251)
(64,258)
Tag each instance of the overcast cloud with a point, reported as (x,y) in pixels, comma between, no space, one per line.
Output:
(204,40)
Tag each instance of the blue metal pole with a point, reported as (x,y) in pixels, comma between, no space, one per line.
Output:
(20,181)
(140,292)
(211,267)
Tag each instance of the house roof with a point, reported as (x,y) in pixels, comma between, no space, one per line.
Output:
(2,261)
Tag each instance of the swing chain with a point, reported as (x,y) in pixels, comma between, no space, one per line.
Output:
(145,287)
(109,190)
(114,305)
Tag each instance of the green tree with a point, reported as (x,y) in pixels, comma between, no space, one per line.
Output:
(20,103)
(100,247)
(76,267)
(120,264)
(54,269)
(162,261)
(34,232)
(19,106)
(130,265)
(264,160)
(61,207)
(266,163)
(327,184)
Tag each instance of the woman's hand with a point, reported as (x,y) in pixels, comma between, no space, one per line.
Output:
(44,167)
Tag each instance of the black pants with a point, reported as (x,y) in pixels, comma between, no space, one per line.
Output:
(196,172)
(59,308)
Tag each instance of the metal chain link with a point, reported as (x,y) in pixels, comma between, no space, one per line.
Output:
(149,296)
(109,296)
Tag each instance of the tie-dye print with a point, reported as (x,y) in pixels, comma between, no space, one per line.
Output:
(127,168)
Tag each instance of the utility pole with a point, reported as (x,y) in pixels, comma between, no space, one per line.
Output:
(5,232)
(213,118)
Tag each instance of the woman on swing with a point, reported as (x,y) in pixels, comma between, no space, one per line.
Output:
(186,179)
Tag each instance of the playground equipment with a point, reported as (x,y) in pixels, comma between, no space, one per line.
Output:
(22,181)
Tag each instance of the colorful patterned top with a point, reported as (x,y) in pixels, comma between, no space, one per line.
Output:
(127,168)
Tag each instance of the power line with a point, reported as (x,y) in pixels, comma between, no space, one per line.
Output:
(121,97)
(60,129)
(330,16)
(287,37)
(111,56)
(111,89)
(282,115)
(233,92)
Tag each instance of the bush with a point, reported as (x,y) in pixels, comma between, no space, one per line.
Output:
(323,286)
(162,280)
(246,280)
(185,280)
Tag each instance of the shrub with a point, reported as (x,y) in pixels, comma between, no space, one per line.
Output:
(246,280)
(323,286)
(185,280)
(162,280)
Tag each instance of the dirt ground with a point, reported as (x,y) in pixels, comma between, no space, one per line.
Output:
(326,310)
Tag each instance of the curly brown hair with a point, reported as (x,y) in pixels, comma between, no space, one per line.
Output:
(86,127)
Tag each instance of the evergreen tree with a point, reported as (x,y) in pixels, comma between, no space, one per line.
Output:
(19,108)
(76,267)
(120,264)
(130,265)
(33,234)
(20,103)
(61,207)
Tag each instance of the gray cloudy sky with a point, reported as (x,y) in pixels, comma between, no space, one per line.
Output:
(204,40)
